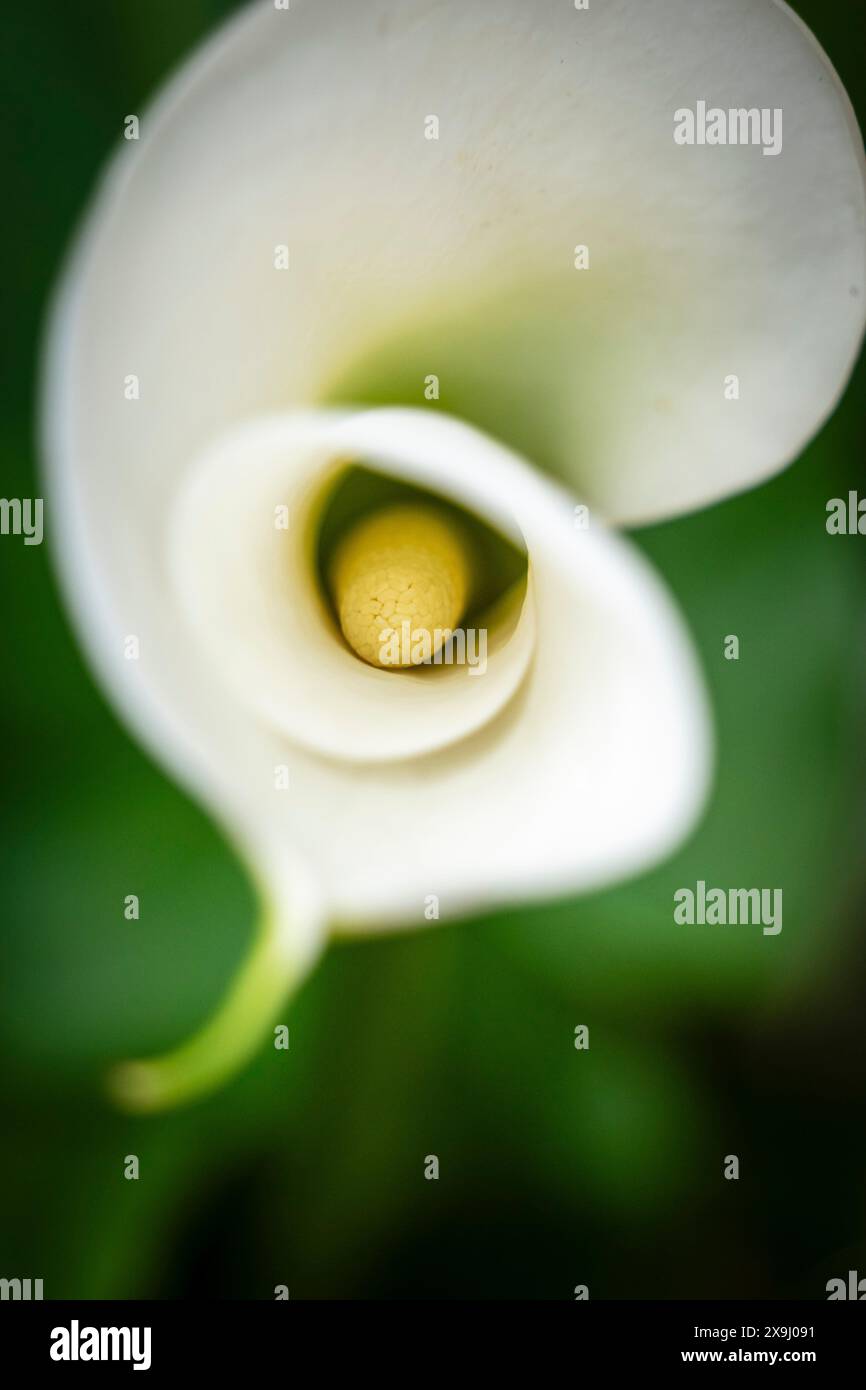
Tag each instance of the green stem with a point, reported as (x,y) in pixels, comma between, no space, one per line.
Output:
(227,1041)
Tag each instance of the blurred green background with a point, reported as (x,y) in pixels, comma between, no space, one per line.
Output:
(558,1167)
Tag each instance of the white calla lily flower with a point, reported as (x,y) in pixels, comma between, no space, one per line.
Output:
(329,207)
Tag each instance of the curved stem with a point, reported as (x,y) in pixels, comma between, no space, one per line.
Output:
(228,1040)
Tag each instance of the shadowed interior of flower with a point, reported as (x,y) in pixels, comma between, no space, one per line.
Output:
(403,568)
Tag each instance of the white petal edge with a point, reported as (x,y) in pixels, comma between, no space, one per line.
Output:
(454,256)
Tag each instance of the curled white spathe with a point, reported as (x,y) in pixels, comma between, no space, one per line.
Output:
(584,755)
(297,138)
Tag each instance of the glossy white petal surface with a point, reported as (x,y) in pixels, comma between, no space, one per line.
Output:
(594,767)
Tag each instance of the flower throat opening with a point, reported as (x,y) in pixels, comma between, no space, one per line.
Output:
(403,569)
